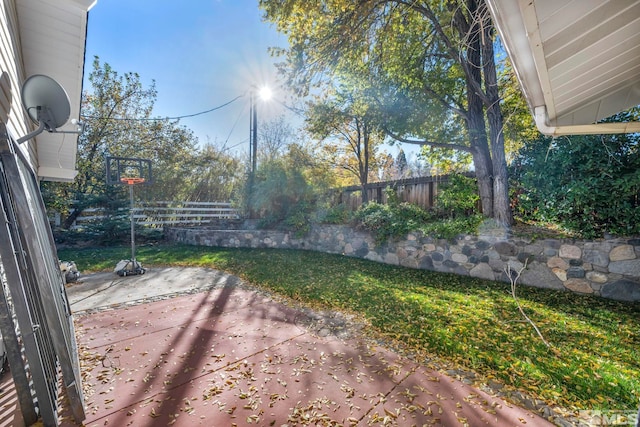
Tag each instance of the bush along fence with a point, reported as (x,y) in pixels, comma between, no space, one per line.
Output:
(162,214)
(607,268)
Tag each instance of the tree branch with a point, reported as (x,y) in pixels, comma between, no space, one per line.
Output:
(514,281)
(454,53)
(458,110)
(434,144)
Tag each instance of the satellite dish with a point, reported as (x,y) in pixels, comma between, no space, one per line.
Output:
(46,103)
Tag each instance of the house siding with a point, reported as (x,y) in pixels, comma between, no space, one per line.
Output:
(11,76)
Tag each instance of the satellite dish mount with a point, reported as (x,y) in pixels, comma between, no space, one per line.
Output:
(47,104)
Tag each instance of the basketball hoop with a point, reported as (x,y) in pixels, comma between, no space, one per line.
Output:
(129,171)
(132,180)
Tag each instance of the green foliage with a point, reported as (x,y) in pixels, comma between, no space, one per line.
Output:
(388,222)
(590,185)
(337,214)
(287,190)
(458,197)
(299,218)
(118,112)
(391,220)
(456,213)
(111,230)
(448,228)
(466,323)
(447,161)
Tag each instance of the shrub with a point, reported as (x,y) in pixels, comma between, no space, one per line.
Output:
(456,214)
(392,220)
(338,214)
(459,197)
(299,218)
(448,228)
(589,185)
(287,192)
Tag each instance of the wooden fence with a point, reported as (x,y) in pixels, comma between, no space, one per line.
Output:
(161,214)
(421,191)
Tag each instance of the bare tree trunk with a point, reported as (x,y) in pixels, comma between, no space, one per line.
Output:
(475,121)
(482,165)
(71,218)
(364,176)
(501,204)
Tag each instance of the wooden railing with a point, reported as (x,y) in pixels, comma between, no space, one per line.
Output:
(161,214)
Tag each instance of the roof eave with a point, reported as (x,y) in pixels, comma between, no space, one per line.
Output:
(518,27)
(64,62)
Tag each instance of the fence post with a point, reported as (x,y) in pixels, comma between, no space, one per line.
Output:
(431,194)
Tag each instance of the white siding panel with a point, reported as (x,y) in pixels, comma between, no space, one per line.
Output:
(583,55)
(556,15)
(11,63)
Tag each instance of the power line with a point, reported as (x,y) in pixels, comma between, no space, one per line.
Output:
(234,126)
(295,110)
(164,118)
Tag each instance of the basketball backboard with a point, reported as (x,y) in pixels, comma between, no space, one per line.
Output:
(126,170)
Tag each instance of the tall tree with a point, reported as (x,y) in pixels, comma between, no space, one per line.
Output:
(275,136)
(117,111)
(387,170)
(344,118)
(402,167)
(431,64)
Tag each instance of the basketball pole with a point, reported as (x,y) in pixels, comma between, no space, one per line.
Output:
(133,231)
(129,171)
(135,267)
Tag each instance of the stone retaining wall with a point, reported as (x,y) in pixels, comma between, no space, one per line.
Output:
(608,268)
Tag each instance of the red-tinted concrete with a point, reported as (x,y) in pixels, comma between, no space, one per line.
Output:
(10,415)
(230,356)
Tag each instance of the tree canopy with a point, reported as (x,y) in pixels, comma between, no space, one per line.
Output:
(429,66)
(344,117)
(118,112)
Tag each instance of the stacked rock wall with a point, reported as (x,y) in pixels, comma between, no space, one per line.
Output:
(608,268)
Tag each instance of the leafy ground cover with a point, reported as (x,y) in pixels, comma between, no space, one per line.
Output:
(593,362)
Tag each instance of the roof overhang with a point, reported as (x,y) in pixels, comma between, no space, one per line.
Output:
(52,39)
(577,61)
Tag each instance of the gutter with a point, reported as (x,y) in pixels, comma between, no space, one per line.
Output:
(543,124)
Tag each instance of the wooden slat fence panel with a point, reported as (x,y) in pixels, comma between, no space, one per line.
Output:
(159,214)
(421,191)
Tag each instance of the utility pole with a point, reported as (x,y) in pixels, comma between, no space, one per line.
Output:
(253,131)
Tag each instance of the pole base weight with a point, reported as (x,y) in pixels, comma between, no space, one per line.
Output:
(129,267)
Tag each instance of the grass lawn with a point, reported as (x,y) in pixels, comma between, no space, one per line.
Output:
(473,324)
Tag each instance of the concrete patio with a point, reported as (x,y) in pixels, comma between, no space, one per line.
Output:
(187,347)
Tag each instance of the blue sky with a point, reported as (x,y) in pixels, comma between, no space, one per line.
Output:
(201,54)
